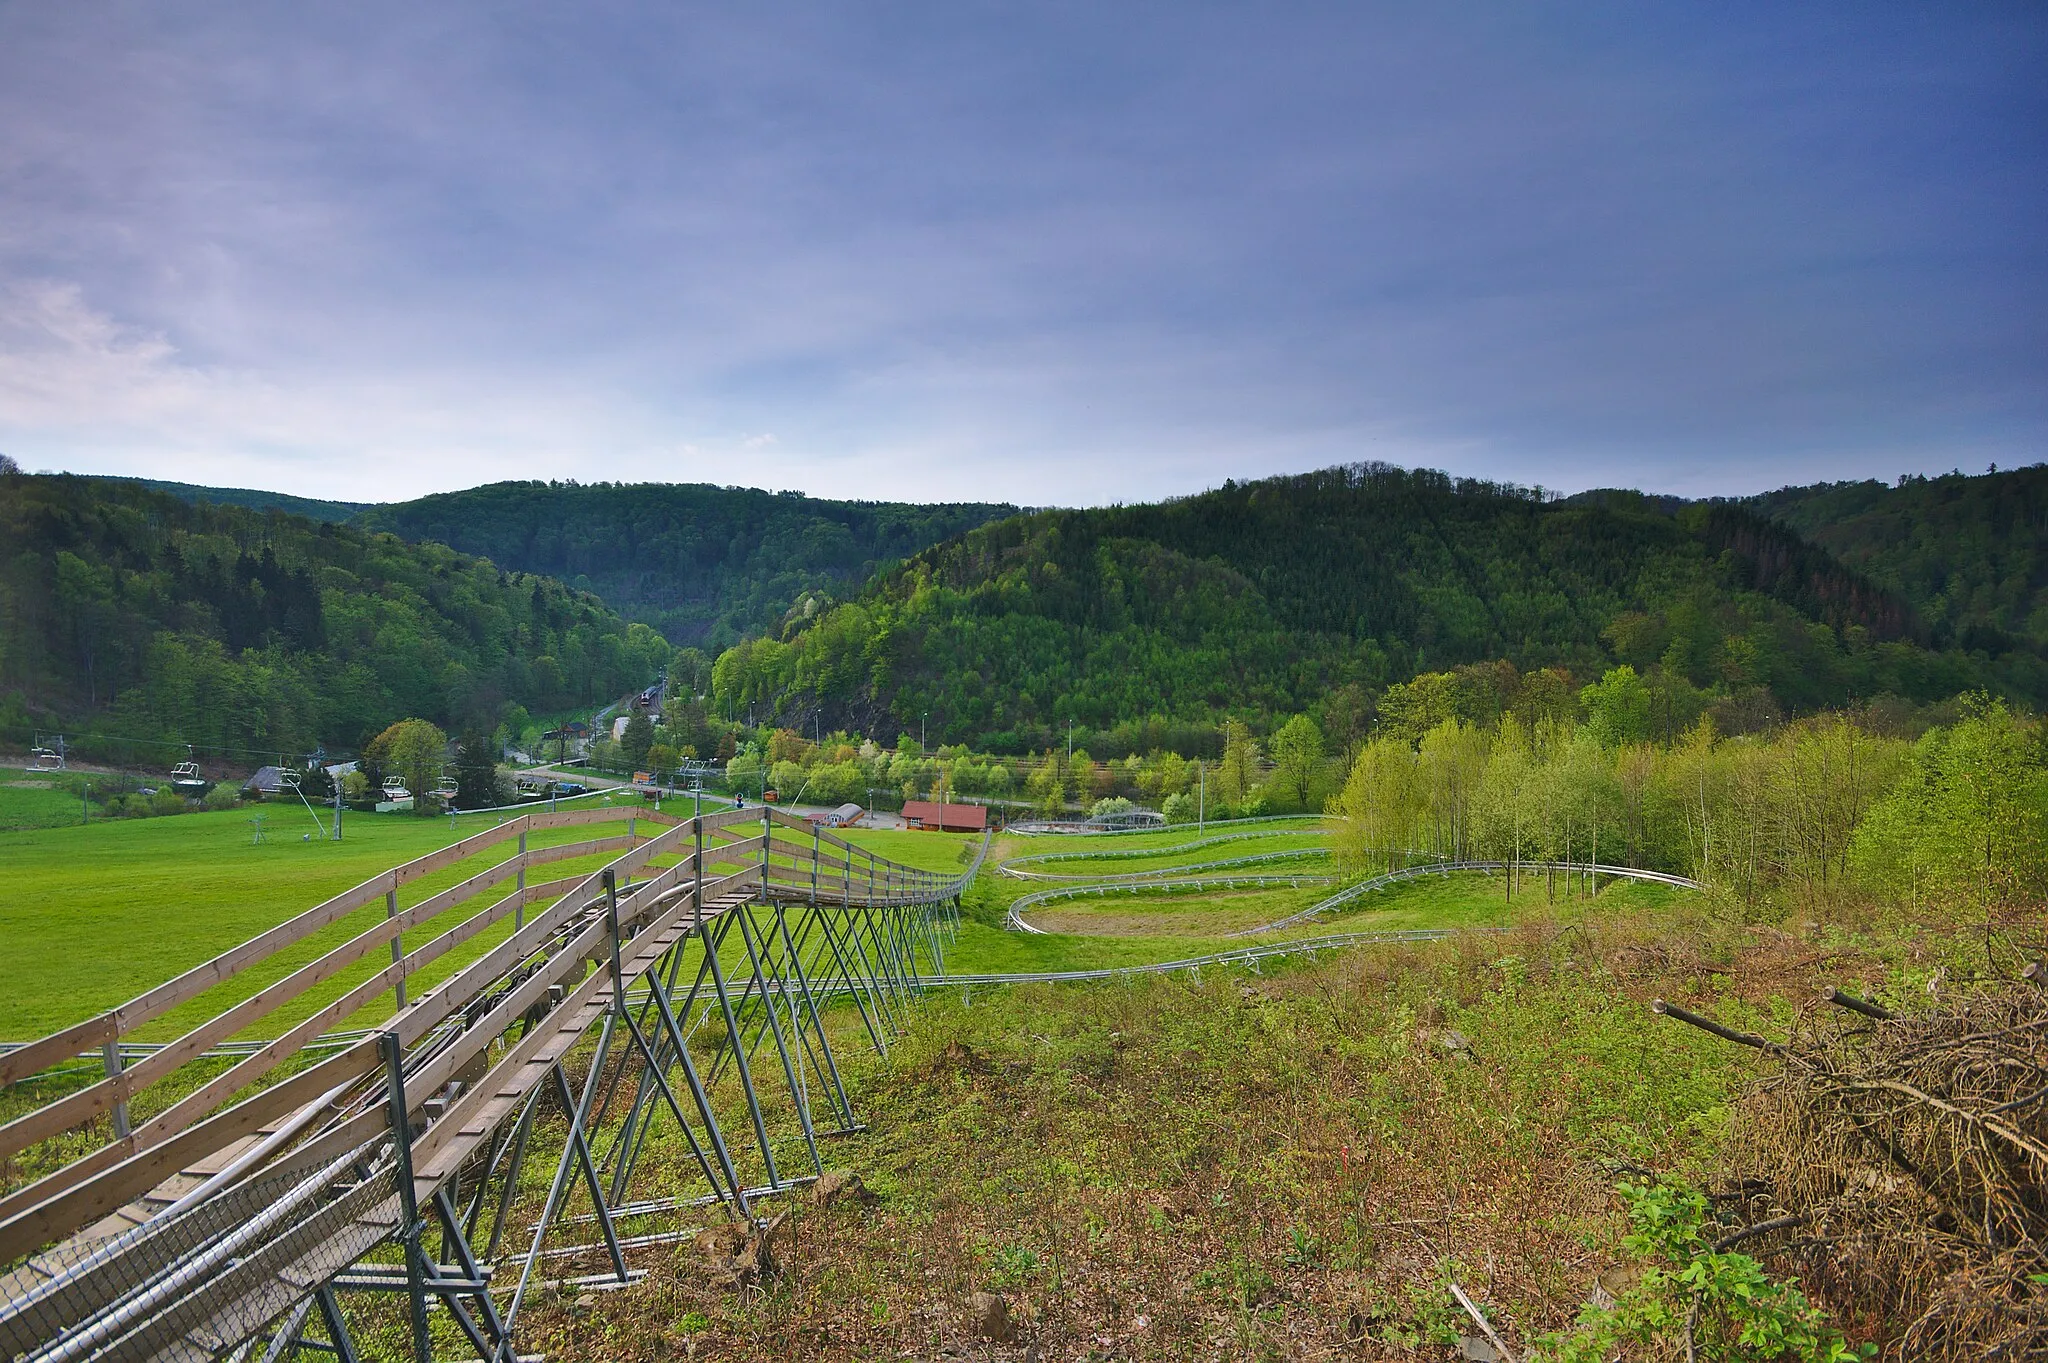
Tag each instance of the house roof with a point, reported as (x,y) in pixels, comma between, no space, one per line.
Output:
(266,779)
(947,815)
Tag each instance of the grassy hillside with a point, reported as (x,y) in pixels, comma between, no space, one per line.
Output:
(126,611)
(703,564)
(1969,552)
(1259,599)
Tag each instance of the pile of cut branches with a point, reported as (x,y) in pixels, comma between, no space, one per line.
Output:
(1901,1163)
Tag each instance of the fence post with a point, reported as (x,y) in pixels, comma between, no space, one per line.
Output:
(397,941)
(110,1055)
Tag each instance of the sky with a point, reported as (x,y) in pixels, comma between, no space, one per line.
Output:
(1050,253)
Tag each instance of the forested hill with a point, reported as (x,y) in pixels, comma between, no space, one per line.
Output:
(124,610)
(255,499)
(1259,599)
(703,564)
(1969,551)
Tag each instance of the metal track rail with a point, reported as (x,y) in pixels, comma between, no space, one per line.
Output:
(1015,921)
(1351,893)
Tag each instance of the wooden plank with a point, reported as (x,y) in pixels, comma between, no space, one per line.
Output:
(466,984)
(61,1203)
(77,1108)
(57,1048)
(153,1003)
(444,1138)
(60,1116)
(447,1000)
(541,856)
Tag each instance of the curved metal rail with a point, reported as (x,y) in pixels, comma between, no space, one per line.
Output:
(1079,831)
(231,1227)
(1239,956)
(1015,921)
(1388,878)
(1125,877)
(1009,868)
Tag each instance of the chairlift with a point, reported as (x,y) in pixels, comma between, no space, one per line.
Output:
(446,787)
(186,778)
(45,759)
(394,789)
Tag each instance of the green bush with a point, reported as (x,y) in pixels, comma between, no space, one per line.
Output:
(1715,1305)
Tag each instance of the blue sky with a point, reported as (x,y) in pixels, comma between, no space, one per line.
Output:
(1043,253)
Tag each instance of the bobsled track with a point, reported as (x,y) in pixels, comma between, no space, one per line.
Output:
(392,1179)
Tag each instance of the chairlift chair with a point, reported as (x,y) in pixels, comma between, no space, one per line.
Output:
(186,778)
(394,789)
(446,788)
(45,759)
(288,778)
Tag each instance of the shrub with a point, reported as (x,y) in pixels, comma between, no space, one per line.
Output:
(1717,1305)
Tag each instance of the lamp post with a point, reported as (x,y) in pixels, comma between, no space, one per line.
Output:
(924,715)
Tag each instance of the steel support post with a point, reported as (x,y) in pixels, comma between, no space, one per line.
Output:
(408,1205)
(700,1097)
(559,1184)
(655,1068)
(803,1110)
(337,1329)
(842,1108)
(856,982)
(732,1038)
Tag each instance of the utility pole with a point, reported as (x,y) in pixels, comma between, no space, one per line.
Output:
(1201,797)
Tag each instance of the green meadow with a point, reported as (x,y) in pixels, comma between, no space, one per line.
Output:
(110,908)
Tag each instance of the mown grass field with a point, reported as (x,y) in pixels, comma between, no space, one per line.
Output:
(38,799)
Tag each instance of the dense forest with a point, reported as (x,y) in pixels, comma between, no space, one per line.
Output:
(1258,599)
(128,611)
(705,565)
(255,499)
(1970,552)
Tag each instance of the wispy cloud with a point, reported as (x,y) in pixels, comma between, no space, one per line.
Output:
(1048,255)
